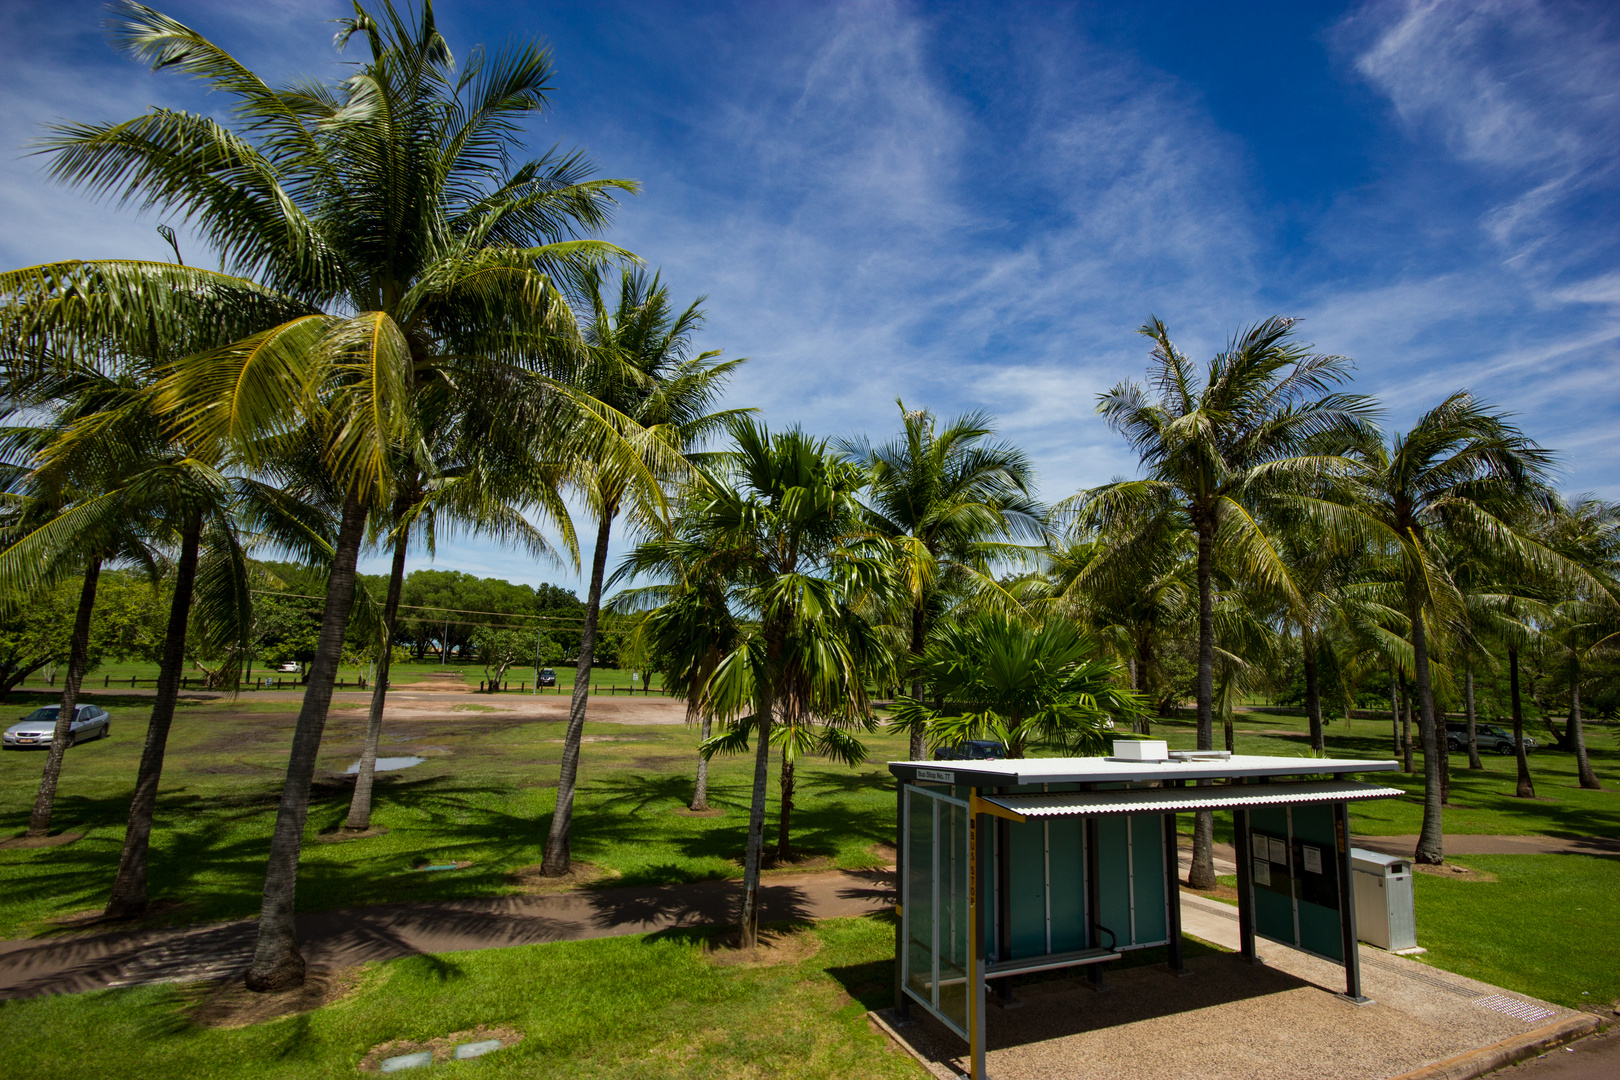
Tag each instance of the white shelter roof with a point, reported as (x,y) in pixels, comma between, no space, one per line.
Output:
(1097,770)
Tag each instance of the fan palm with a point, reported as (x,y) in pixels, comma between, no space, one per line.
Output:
(641,366)
(380,242)
(1024,685)
(778,521)
(953,503)
(1222,445)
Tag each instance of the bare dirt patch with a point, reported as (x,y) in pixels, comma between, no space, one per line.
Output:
(885,852)
(687,811)
(95,919)
(1456,871)
(227,1003)
(580,874)
(341,835)
(1221,891)
(798,862)
(54,840)
(441,1047)
(775,947)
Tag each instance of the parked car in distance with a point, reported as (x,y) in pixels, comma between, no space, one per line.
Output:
(290,667)
(1489,736)
(972,750)
(547,678)
(38,728)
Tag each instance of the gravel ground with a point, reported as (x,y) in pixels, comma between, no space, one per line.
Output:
(1234,1021)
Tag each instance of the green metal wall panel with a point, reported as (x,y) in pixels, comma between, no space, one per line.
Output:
(1147,863)
(1068,884)
(1316,881)
(1113,879)
(1027,884)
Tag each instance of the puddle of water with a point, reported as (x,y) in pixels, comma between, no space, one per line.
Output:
(388,764)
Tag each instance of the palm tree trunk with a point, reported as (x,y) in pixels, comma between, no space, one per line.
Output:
(1431,841)
(783,850)
(359,818)
(1202,874)
(1144,664)
(277,963)
(1473,736)
(700,790)
(1313,692)
(764,703)
(1583,765)
(129,887)
(1526,788)
(919,636)
(39,821)
(1395,711)
(558,858)
(1406,731)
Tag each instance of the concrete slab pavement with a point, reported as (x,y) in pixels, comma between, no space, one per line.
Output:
(1281,1019)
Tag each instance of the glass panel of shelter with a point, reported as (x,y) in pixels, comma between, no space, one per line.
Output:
(935,905)
(1045,895)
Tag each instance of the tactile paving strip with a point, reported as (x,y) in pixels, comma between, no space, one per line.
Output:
(1519,1010)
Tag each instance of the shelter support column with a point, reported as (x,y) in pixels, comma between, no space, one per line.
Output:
(1172,896)
(976,936)
(1347,905)
(902,1003)
(1245,884)
(1093,900)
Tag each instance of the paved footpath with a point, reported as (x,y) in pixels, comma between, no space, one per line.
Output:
(67,963)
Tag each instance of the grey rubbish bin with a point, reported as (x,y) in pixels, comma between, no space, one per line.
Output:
(1385,916)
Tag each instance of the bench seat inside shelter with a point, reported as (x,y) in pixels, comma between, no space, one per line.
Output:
(1010,867)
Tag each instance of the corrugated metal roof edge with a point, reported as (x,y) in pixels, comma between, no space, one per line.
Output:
(1163,800)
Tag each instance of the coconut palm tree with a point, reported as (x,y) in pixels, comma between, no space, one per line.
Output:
(1221,444)
(642,367)
(457,479)
(1585,530)
(1132,582)
(779,522)
(379,242)
(1459,480)
(954,503)
(690,627)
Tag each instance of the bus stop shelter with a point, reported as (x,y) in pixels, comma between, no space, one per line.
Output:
(1010,867)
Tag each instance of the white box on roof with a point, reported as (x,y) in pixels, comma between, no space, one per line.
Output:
(1142,749)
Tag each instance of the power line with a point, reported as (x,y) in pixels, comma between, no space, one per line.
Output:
(436,613)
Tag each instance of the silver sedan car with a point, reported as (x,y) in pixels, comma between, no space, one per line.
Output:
(38,728)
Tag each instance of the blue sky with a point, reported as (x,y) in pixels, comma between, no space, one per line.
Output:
(971,206)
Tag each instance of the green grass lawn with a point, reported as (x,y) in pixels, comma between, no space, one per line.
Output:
(644,1007)
(484,796)
(1545,927)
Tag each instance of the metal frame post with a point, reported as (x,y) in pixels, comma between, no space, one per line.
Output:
(902,1003)
(975,972)
(1003,893)
(1093,900)
(1347,906)
(1172,895)
(1245,875)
